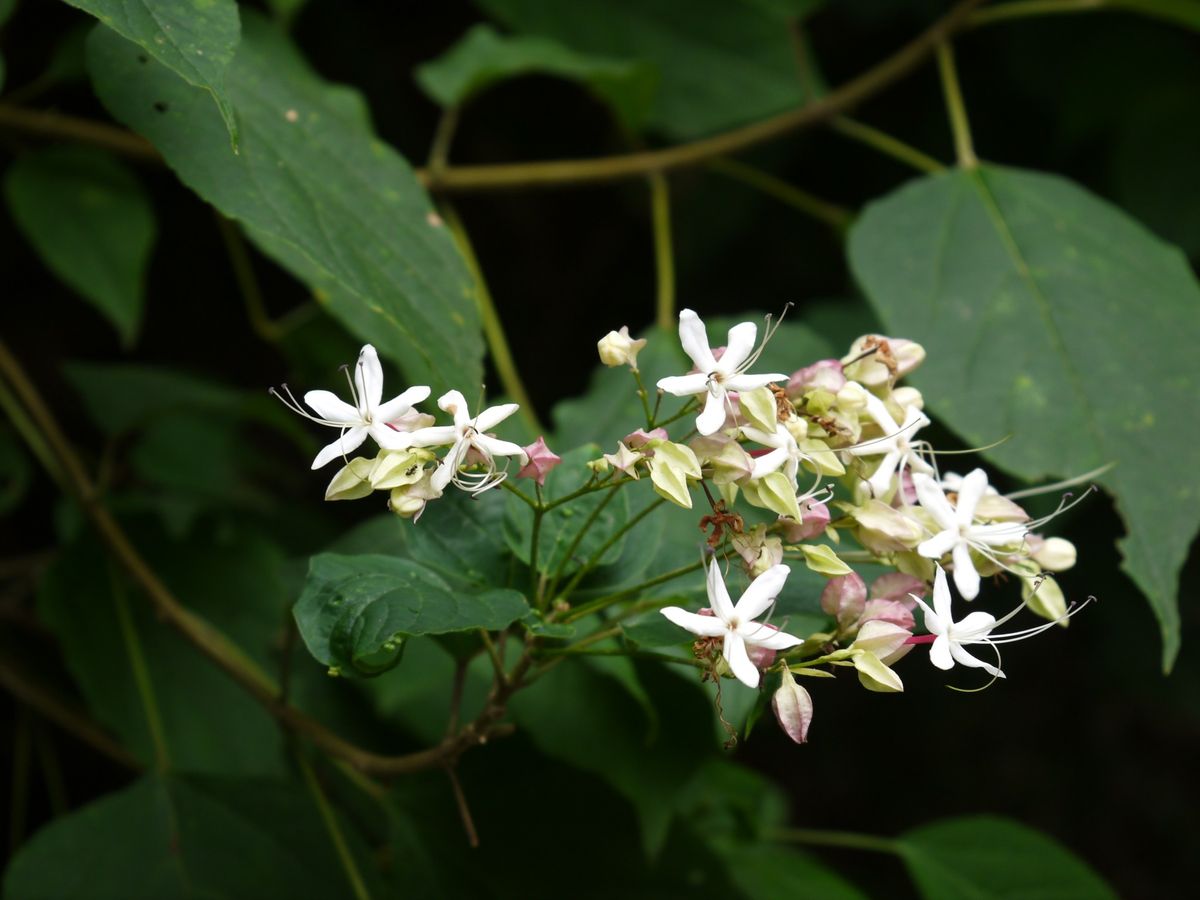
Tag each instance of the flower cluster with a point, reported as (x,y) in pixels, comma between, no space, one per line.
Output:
(835,450)
(405,465)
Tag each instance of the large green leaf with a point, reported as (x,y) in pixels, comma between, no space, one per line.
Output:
(173,837)
(356,611)
(483,57)
(593,722)
(1051,316)
(195,39)
(985,858)
(91,223)
(720,63)
(235,584)
(317,190)
(763,870)
(570,534)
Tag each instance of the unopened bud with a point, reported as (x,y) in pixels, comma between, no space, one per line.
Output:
(541,460)
(1055,554)
(793,708)
(825,375)
(617,348)
(904,397)
(853,396)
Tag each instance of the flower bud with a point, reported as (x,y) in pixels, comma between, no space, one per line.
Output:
(641,437)
(670,468)
(883,529)
(729,461)
(844,598)
(624,459)
(1055,554)
(352,482)
(541,460)
(793,708)
(617,348)
(758,551)
(394,468)
(886,641)
(904,397)
(408,501)
(824,375)
(814,520)
(759,409)
(892,358)
(853,396)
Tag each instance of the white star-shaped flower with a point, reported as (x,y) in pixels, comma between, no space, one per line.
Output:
(896,444)
(736,623)
(959,532)
(368,416)
(785,453)
(716,377)
(465,435)
(950,638)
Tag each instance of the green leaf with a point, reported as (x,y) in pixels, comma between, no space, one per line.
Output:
(602,512)
(462,539)
(195,39)
(16,472)
(765,870)
(235,584)
(169,836)
(592,722)
(356,611)
(317,191)
(482,57)
(91,223)
(984,858)
(722,64)
(1037,302)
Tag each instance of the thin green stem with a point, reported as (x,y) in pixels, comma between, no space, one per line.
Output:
(493,330)
(534,545)
(443,136)
(836,217)
(517,492)
(247,282)
(578,539)
(493,655)
(643,396)
(847,839)
(885,144)
(619,651)
(607,545)
(688,407)
(30,434)
(329,817)
(590,488)
(964,150)
(1030,8)
(141,673)
(586,609)
(664,254)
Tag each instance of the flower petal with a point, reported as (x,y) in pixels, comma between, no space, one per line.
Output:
(684,385)
(434,436)
(389,438)
(401,403)
(713,417)
(368,376)
(331,409)
(750,382)
(969,495)
(966,578)
(738,346)
(974,626)
(940,653)
(941,597)
(762,635)
(765,465)
(349,441)
(497,447)
(494,415)
(739,660)
(444,473)
(694,338)
(762,593)
(933,499)
(881,479)
(455,403)
(959,653)
(718,594)
(933,623)
(938,545)
(705,626)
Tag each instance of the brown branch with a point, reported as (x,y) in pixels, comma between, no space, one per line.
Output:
(214,644)
(552,173)
(64,714)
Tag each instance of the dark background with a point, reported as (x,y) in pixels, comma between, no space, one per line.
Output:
(1087,739)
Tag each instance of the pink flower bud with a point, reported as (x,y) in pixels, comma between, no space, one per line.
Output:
(641,437)
(541,460)
(844,598)
(894,612)
(824,375)
(814,519)
(793,708)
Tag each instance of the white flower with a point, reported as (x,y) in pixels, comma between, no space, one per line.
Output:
(896,444)
(716,377)
(950,637)
(959,533)
(464,435)
(785,453)
(368,416)
(736,623)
